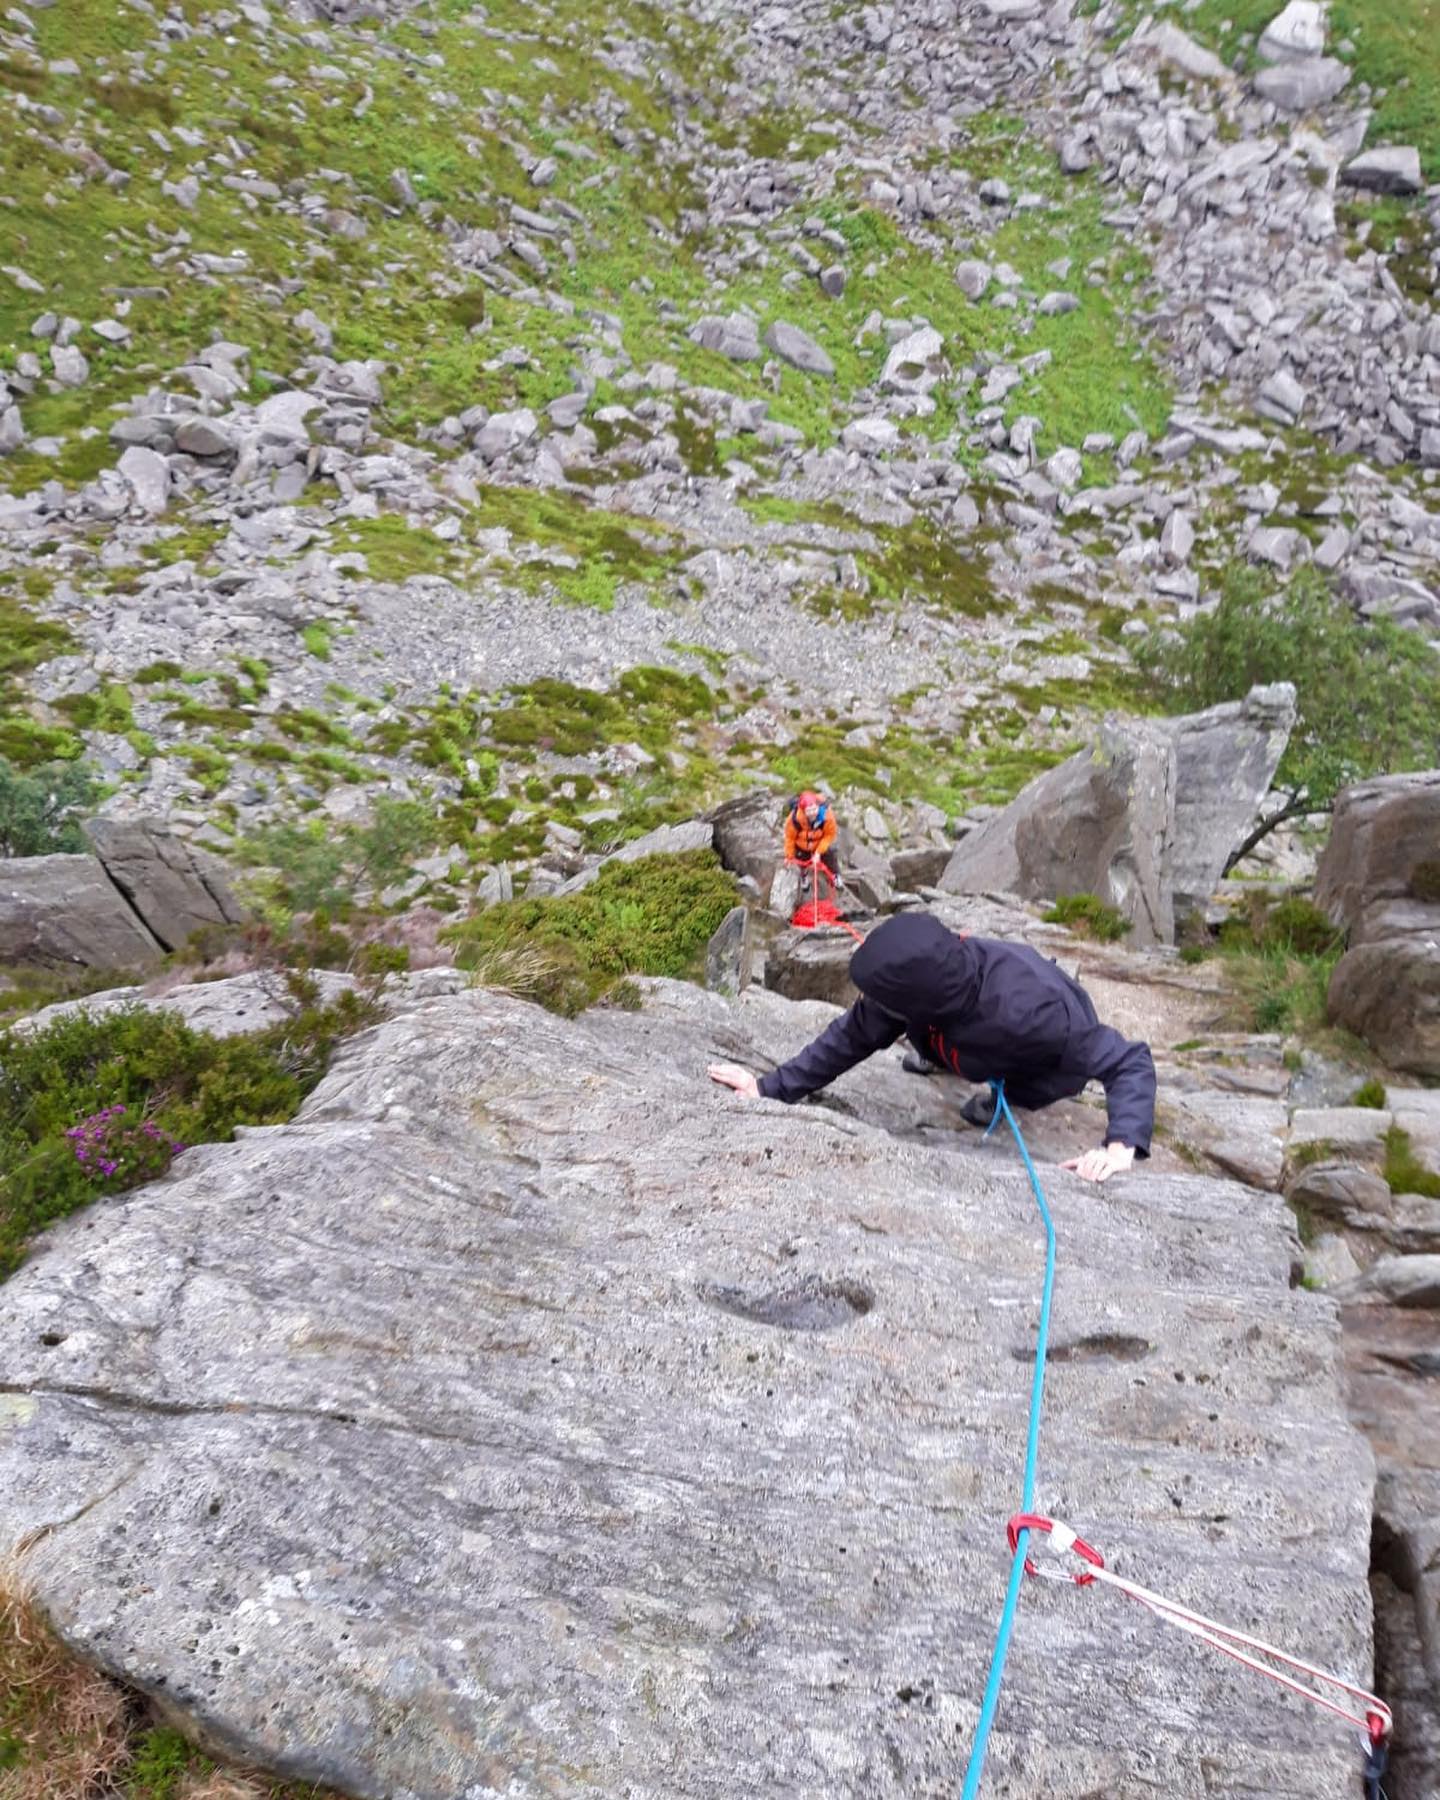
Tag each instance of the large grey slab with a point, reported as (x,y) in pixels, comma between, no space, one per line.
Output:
(454,1440)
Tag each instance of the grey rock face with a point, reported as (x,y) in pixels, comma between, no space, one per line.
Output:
(1225,761)
(1389,994)
(749,834)
(1282,398)
(727,956)
(1392,170)
(63,909)
(473,1433)
(1100,823)
(1379,875)
(1146,820)
(798,349)
(972,278)
(915,363)
(175,888)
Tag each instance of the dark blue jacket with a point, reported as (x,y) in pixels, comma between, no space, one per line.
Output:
(988,1010)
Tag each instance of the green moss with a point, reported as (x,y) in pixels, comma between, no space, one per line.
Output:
(1371,1094)
(103,708)
(154,673)
(317,635)
(1404,1172)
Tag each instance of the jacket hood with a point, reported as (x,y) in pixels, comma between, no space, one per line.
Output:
(914,966)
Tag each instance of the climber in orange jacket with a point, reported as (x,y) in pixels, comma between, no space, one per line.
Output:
(810,833)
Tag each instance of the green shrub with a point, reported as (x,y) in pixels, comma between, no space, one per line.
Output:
(651,917)
(1368,691)
(1404,1172)
(40,812)
(1370,1093)
(1088,915)
(322,867)
(186,1084)
(1276,990)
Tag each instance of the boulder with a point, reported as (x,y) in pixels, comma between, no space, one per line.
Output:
(1410,1281)
(916,363)
(1234,1134)
(532,1415)
(727,956)
(1225,761)
(148,475)
(175,888)
(199,436)
(505,433)
(1392,170)
(1301,86)
(1178,50)
(1340,1193)
(1356,1132)
(798,349)
(1147,820)
(736,336)
(911,870)
(1296,32)
(1100,823)
(1389,994)
(749,834)
(812,965)
(56,910)
(1379,874)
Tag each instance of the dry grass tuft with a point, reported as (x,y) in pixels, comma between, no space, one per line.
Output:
(64,1729)
(520,969)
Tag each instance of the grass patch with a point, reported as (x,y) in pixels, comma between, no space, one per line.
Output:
(67,1732)
(1403,1171)
(1370,1094)
(651,917)
(1089,916)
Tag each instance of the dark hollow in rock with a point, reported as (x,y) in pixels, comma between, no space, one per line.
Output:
(1104,1346)
(810,1304)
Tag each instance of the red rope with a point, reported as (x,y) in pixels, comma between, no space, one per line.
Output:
(816,912)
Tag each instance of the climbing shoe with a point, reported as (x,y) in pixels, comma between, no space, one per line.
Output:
(913,1063)
(979,1109)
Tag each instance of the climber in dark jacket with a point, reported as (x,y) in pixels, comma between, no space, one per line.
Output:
(989,1011)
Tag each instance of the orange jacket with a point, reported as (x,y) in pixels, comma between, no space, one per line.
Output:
(803,840)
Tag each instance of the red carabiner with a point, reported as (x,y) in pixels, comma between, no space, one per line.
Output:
(1038,1522)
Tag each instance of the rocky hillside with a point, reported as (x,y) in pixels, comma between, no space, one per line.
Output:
(389,388)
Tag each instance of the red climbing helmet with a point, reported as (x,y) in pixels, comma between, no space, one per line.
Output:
(809,798)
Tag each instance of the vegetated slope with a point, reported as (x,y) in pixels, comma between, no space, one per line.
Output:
(859,365)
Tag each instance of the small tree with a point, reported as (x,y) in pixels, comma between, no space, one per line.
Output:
(1367,692)
(40,813)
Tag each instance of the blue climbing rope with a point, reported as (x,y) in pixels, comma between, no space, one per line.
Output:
(1032,1449)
